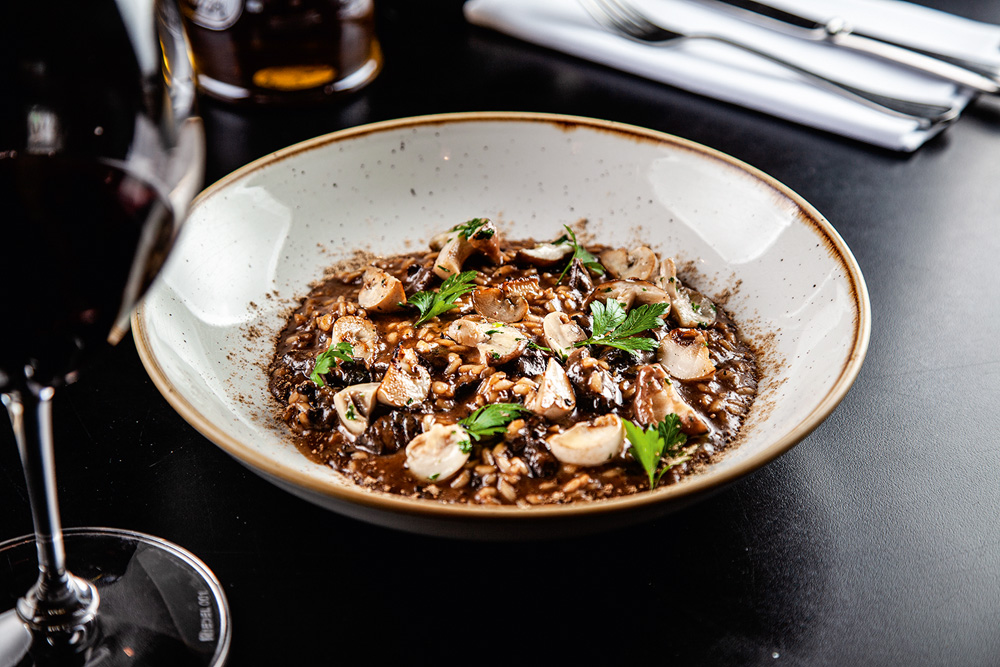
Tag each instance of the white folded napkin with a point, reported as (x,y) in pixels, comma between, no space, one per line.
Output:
(718,70)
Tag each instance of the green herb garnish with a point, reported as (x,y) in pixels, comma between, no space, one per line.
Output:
(612,327)
(471,229)
(658,448)
(491,419)
(579,252)
(432,304)
(560,354)
(328,360)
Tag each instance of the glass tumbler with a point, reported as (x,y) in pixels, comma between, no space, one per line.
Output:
(274,52)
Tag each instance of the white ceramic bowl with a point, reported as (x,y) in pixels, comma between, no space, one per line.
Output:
(256,240)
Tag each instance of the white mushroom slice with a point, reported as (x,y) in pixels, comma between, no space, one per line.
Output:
(380,292)
(502,343)
(467,332)
(360,333)
(497,343)
(438,453)
(454,253)
(656,397)
(693,309)
(544,254)
(553,398)
(640,263)
(406,381)
(629,292)
(439,241)
(667,277)
(484,239)
(494,304)
(589,443)
(689,308)
(684,354)
(560,332)
(354,404)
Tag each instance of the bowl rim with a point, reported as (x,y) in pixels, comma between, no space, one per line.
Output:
(696,485)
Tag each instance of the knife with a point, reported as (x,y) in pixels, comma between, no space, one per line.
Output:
(839,32)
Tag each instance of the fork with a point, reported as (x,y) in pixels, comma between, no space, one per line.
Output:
(622,17)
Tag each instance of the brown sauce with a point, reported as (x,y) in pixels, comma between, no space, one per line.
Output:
(517,466)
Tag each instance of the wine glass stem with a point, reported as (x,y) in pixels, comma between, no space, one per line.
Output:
(60,605)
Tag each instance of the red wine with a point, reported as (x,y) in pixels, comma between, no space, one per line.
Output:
(80,240)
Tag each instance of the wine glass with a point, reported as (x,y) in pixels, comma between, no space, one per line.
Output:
(100,155)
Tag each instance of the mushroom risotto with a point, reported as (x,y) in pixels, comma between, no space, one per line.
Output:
(494,371)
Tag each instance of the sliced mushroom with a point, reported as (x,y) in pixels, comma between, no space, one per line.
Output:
(381,292)
(497,343)
(640,263)
(553,398)
(656,397)
(560,332)
(467,332)
(354,405)
(502,344)
(494,304)
(578,278)
(526,287)
(689,308)
(693,309)
(544,255)
(418,279)
(360,333)
(629,292)
(684,354)
(406,381)
(454,253)
(439,241)
(389,433)
(589,443)
(666,277)
(484,239)
(438,453)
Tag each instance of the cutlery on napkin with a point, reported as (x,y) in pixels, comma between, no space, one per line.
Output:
(721,72)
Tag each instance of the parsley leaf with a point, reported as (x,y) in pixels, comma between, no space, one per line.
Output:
(432,304)
(610,325)
(491,419)
(579,252)
(470,229)
(328,360)
(660,444)
(605,316)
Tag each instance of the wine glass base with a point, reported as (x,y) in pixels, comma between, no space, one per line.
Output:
(159,604)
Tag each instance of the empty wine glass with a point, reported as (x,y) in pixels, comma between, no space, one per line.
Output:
(100,155)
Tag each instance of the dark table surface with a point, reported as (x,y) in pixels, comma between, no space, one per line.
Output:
(875,541)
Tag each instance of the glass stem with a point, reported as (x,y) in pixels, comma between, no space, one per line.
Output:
(60,605)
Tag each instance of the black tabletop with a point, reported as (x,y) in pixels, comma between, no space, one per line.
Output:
(875,541)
